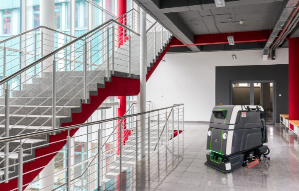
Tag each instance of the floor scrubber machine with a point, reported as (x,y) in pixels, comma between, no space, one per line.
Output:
(236,136)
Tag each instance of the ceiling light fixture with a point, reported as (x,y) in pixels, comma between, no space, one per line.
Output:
(241,22)
(220,3)
(231,40)
(243,85)
(234,57)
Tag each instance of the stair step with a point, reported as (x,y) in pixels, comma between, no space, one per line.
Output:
(38,110)
(27,145)
(13,158)
(23,129)
(48,80)
(34,120)
(64,93)
(42,101)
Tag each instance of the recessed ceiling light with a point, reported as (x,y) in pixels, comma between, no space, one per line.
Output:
(241,22)
(231,40)
(243,84)
(220,3)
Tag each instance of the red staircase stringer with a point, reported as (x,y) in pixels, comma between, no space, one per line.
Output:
(118,86)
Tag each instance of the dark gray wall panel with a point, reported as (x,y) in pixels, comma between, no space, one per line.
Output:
(277,73)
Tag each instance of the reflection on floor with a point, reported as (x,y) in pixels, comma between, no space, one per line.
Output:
(190,173)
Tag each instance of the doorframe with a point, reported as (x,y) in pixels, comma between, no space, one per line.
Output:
(257,81)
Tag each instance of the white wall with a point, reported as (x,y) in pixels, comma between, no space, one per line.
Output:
(189,78)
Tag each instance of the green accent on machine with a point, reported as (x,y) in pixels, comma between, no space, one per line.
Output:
(211,140)
(218,162)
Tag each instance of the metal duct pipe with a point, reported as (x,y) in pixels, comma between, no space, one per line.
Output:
(286,17)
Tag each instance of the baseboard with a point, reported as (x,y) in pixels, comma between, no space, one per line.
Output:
(206,122)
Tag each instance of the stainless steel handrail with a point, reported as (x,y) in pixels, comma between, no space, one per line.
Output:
(152,26)
(61,48)
(67,128)
(18,35)
(99,7)
(163,128)
(94,157)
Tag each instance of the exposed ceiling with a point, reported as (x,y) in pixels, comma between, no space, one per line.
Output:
(187,18)
(255,17)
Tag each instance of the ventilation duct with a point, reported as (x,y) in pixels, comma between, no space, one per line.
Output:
(285,23)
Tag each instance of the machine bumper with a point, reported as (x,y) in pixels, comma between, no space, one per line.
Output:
(233,163)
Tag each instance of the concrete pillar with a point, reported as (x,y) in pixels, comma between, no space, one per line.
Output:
(293,79)
(23,41)
(47,177)
(47,19)
(143,59)
(72,32)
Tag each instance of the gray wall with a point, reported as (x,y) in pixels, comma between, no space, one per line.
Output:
(225,75)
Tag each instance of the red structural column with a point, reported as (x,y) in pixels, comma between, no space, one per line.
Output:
(122,9)
(120,112)
(293,79)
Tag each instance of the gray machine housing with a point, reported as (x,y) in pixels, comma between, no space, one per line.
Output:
(234,131)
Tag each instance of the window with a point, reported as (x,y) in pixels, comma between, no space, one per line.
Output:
(57,17)
(7,22)
(36,16)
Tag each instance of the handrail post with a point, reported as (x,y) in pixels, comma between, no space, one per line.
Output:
(65,55)
(183,120)
(84,69)
(136,139)
(149,136)
(130,52)
(41,48)
(99,157)
(132,21)
(35,52)
(68,167)
(6,170)
(20,160)
(178,131)
(4,62)
(162,37)
(158,126)
(113,46)
(155,48)
(107,60)
(54,94)
(167,129)
(172,134)
(120,152)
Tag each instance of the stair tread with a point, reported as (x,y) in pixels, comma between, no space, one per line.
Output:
(16,115)
(13,155)
(38,106)
(30,141)
(28,127)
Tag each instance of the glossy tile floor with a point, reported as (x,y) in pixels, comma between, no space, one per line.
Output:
(280,173)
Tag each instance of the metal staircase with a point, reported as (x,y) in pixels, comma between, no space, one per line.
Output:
(49,90)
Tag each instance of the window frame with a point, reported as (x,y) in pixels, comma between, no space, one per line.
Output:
(7,16)
(60,12)
(34,13)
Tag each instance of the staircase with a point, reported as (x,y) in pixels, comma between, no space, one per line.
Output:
(83,75)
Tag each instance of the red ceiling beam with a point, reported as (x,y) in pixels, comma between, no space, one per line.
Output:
(239,37)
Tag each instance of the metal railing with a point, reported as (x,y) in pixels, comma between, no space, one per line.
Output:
(109,159)
(43,94)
